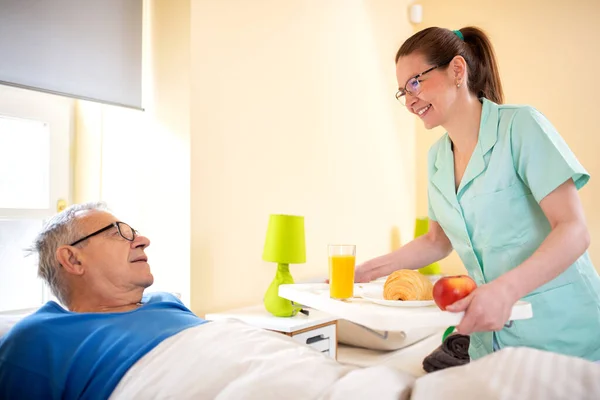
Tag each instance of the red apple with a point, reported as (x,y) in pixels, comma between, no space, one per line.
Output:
(450,289)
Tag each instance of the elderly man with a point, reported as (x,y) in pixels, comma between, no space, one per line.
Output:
(96,266)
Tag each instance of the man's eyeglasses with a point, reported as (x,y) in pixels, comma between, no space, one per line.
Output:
(126,232)
(413,85)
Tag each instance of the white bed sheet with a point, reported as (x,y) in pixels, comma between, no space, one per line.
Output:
(231,360)
(8,319)
(228,359)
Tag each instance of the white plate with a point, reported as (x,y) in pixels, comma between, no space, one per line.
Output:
(375,295)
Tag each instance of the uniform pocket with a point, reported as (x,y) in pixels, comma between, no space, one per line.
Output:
(516,188)
(504,217)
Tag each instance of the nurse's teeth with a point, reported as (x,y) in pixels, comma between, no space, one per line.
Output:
(422,110)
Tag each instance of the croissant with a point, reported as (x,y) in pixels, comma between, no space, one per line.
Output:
(406,284)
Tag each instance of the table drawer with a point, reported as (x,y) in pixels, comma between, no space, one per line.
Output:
(323,339)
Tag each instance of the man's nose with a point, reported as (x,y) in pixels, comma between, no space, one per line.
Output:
(140,241)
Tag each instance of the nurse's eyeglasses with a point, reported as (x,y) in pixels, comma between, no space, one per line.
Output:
(413,85)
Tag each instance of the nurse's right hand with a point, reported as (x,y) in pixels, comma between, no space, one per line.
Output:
(367,272)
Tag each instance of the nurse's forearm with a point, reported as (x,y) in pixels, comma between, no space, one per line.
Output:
(420,252)
(563,246)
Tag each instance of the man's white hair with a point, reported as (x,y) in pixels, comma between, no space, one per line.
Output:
(62,229)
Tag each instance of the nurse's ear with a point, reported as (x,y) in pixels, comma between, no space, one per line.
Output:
(458,70)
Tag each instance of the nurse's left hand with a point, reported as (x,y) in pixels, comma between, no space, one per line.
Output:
(487,308)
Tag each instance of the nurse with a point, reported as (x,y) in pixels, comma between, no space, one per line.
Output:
(503,193)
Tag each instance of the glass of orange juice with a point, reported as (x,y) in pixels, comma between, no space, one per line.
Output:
(341,270)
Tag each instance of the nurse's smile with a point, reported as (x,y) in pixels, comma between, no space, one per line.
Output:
(422,111)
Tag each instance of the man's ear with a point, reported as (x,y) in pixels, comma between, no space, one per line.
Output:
(70,259)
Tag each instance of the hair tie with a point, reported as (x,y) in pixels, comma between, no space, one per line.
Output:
(459,34)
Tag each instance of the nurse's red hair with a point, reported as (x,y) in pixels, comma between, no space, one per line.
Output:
(439,46)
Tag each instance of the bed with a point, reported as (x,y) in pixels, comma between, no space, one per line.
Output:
(240,364)
(231,360)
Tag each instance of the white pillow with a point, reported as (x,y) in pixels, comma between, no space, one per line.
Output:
(7,321)
(360,336)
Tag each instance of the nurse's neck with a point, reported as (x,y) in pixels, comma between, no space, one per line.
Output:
(463,124)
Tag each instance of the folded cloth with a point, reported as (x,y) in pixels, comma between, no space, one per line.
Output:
(453,352)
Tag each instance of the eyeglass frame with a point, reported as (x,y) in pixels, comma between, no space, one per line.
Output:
(117,225)
(399,96)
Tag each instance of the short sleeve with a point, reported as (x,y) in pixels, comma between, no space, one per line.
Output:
(430,213)
(541,156)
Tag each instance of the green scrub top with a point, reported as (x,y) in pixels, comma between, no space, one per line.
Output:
(494,222)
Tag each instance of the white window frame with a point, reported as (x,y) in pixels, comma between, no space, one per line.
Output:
(58,113)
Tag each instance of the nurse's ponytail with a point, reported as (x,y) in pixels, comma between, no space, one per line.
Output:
(440,45)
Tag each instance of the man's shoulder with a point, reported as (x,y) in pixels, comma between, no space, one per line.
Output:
(32,321)
(30,330)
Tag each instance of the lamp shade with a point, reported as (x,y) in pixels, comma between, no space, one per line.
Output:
(285,242)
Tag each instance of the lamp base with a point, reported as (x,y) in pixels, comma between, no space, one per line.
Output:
(278,306)
(431,269)
(421,228)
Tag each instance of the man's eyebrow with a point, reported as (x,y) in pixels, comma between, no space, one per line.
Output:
(110,231)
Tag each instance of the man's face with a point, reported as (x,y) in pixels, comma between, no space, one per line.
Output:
(110,262)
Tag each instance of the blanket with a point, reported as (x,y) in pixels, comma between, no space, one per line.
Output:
(231,360)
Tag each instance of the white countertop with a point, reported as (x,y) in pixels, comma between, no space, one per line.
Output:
(258,316)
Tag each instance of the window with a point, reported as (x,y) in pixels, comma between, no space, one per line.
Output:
(35,171)
(25,162)
(24,185)
(19,286)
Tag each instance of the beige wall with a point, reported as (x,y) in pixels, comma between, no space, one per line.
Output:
(292,111)
(287,107)
(548,52)
(139,162)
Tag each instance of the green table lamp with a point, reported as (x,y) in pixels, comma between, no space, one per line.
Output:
(421,228)
(285,245)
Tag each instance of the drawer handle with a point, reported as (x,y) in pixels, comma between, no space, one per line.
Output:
(315,339)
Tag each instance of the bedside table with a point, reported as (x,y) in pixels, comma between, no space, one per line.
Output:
(317,330)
